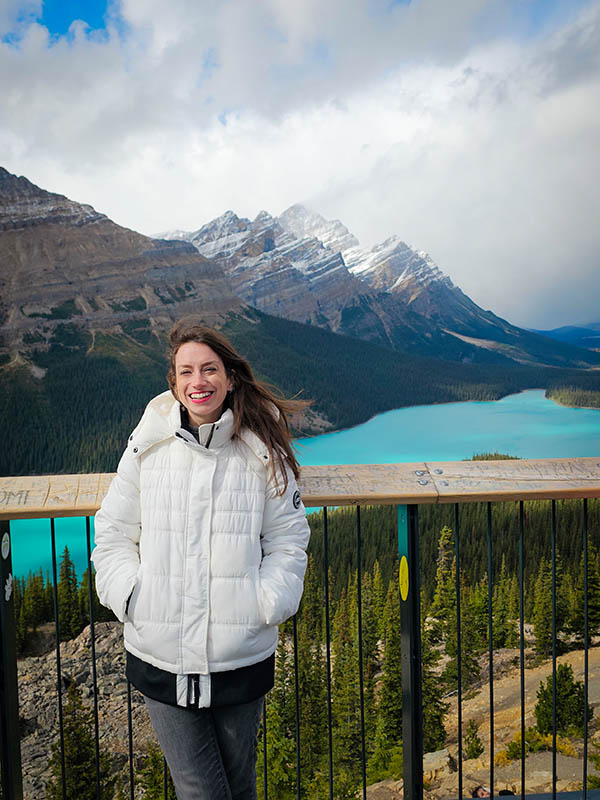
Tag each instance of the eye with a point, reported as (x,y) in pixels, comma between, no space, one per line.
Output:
(210,369)
(184,371)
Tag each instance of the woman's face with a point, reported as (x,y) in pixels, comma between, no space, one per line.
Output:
(201,383)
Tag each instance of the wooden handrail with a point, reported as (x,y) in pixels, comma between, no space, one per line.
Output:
(31,497)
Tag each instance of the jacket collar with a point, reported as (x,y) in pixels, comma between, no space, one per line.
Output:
(162,420)
(211,435)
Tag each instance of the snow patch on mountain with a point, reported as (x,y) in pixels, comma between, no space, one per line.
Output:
(305,223)
(387,266)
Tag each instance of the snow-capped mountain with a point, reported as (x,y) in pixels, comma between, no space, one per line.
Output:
(281,273)
(304,267)
(385,266)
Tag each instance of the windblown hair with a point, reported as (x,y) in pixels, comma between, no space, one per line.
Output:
(255,405)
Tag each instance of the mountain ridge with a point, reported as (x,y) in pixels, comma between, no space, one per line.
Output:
(391,293)
(64,263)
(587,336)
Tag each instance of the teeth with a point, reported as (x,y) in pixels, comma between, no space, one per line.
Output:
(200,395)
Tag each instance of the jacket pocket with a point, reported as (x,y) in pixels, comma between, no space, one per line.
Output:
(260,615)
(132,599)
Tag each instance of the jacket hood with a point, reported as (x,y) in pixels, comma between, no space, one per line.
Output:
(161,420)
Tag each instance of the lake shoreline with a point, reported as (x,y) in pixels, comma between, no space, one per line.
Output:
(426,405)
(526,424)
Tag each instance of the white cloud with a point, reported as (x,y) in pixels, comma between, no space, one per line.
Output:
(15,15)
(480,148)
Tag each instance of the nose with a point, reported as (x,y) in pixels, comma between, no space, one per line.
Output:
(198,378)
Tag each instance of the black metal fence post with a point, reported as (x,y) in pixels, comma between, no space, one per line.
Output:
(410,621)
(10,744)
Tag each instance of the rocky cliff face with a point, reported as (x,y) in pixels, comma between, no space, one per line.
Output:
(62,261)
(39,708)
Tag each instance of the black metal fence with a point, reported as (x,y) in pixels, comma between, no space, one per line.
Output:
(410,575)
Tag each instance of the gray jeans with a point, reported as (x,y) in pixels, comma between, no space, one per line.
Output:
(211,752)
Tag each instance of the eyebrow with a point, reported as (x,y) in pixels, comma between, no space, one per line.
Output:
(203,364)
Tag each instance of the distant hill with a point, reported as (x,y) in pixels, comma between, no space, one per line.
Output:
(586,337)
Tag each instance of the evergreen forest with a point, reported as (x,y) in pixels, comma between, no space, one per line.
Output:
(71,407)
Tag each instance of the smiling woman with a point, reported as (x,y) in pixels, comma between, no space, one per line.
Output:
(201,383)
(201,552)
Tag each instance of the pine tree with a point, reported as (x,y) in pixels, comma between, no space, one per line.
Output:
(570,703)
(313,698)
(370,652)
(477,604)
(346,697)
(470,640)
(312,599)
(68,602)
(444,598)
(80,756)
(20,617)
(388,734)
(473,744)
(434,708)
(151,777)
(101,613)
(49,598)
(542,609)
(513,632)
(593,597)
(281,728)
(378,597)
(501,623)
(34,600)
(21,631)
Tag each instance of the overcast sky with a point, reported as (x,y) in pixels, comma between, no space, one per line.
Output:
(469,128)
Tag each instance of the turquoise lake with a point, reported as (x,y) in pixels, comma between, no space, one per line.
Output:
(526,425)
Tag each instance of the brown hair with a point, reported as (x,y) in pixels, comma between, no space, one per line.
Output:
(254,404)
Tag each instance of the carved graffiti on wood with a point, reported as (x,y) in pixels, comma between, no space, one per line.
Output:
(10,497)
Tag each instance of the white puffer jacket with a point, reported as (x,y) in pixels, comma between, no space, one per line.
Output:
(195,550)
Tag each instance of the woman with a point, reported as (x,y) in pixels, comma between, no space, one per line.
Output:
(201,552)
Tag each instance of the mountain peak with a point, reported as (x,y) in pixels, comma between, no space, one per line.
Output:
(303,222)
(228,224)
(299,214)
(263,217)
(22,204)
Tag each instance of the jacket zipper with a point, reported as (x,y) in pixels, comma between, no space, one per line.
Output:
(210,436)
(193,693)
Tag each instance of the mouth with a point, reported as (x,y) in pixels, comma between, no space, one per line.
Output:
(198,396)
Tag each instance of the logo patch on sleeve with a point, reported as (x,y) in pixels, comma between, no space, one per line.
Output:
(296,499)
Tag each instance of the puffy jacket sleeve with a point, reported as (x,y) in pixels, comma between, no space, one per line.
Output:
(284,538)
(117,533)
